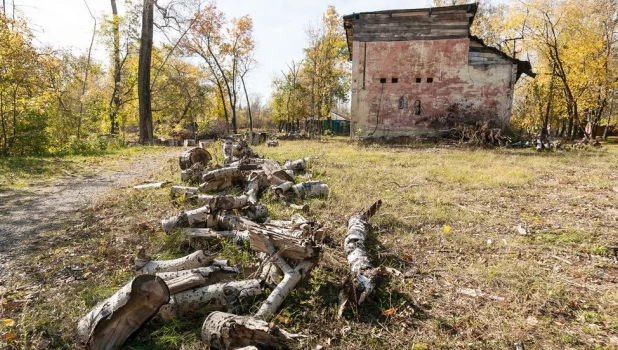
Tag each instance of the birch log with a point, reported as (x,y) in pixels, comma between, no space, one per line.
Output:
(275,299)
(226,331)
(228,202)
(282,188)
(223,173)
(286,245)
(152,185)
(110,323)
(186,219)
(297,165)
(291,277)
(191,261)
(216,297)
(185,282)
(364,279)
(238,236)
(256,212)
(180,190)
(211,274)
(311,189)
(227,151)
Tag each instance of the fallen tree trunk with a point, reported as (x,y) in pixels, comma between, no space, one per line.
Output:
(275,299)
(310,189)
(192,156)
(191,261)
(186,219)
(110,323)
(365,276)
(216,297)
(226,331)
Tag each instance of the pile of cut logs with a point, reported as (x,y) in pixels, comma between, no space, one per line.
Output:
(288,249)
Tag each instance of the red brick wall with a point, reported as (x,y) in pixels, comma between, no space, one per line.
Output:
(480,90)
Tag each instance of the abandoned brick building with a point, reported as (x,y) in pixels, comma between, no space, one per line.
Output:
(414,71)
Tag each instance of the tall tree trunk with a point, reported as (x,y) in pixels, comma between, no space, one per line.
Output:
(143,79)
(115,101)
(609,119)
(84,85)
(242,79)
(545,131)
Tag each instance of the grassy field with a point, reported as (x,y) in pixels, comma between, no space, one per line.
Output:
(19,172)
(448,222)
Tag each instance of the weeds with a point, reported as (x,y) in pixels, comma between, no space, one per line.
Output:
(563,200)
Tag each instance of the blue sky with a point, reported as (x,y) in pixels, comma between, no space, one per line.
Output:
(279,26)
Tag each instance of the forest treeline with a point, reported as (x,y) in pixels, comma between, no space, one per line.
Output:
(58,101)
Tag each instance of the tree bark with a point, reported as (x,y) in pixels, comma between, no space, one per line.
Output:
(110,323)
(212,274)
(364,279)
(242,79)
(310,189)
(146,135)
(185,282)
(228,202)
(238,236)
(86,72)
(277,296)
(187,219)
(191,261)
(226,331)
(115,100)
(216,297)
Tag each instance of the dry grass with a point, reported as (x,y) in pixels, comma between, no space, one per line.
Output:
(448,222)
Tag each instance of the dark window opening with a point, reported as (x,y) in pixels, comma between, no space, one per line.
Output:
(394,80)
(417,107)
(419,80)
(382,80)
(402,103)
(430,80)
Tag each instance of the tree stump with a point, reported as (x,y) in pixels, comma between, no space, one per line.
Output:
(193,156)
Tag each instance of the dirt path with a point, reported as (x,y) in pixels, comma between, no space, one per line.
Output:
(25,213)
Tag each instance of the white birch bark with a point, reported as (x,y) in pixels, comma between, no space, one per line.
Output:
(186,219)
(111,322)
(191,261)
(220,296)
(226,331)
